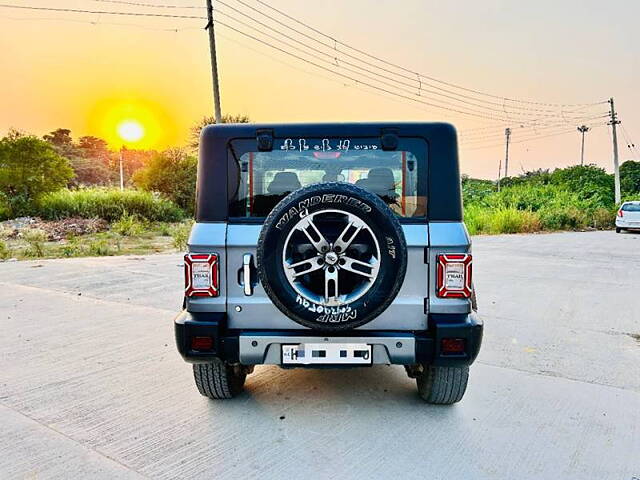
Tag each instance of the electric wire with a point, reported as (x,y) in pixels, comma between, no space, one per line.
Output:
(423,75)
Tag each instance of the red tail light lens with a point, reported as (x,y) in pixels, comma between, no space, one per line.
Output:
(620,213)
(452,346)
(201,275)
(454,276)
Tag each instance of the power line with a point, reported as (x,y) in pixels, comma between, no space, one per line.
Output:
(333,58)
(101,12)
(529,139)
(423,75)
(414,78)
(479,136)
(148,5)
(357,81)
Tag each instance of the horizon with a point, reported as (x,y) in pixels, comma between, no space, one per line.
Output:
(105,74)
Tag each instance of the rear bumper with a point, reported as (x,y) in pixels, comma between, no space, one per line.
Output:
(251,347)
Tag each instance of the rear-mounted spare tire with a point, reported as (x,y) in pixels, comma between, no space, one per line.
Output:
(332,256)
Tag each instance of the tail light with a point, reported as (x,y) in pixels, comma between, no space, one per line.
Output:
(201,275)
(620,213)
(454,276)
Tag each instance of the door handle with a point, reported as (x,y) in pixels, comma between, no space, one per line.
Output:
(247,260)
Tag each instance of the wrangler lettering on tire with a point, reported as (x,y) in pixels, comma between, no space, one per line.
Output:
(331,256)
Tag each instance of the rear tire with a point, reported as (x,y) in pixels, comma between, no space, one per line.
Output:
(618,230)
(442,385)
(219,380)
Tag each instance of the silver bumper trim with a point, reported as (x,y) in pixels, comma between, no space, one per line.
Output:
(259,349)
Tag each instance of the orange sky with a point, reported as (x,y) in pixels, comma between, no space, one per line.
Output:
(58,71)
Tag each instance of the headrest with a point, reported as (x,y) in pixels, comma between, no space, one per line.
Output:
(284,182)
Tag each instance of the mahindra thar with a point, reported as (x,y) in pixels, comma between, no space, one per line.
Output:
(329,245)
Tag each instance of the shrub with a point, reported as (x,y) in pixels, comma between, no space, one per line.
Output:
(180,234)
(5,209)
(71,248)
(173,174)
(603,218)
(563,218)
(128,225)
(5,251)
(29,168)
(476,219)
(510,220)
(35,239)
(109,204)
(100,247)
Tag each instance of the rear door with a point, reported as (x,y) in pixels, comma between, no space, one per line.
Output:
(262,179)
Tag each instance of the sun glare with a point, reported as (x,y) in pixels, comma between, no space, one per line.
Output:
(131,131)
(133,123)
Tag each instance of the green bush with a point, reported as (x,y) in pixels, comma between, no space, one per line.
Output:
(35,239)
(485,220)
(109,204)
(71,248)
(128,226)
(510,220)
(563,218)
(5,208)
(603,218)
(5,251)
(29,168)
(173,174)
(100,246)
(180,235)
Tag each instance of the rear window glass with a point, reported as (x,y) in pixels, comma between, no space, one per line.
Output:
(631,207)
(265,178)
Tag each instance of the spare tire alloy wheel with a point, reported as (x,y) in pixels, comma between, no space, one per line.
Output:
(332,256)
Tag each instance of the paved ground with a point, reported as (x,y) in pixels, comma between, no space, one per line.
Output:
(92,387)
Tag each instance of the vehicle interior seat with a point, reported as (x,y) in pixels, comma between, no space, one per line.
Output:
(381,182)
(283,184)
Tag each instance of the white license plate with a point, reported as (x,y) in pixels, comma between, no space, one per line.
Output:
(326,354)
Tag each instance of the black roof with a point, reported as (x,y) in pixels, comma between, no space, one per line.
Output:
(444,199)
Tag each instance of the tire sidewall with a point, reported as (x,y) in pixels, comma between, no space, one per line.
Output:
(332,196)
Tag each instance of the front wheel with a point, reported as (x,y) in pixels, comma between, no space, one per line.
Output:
(219,380)
(442,385)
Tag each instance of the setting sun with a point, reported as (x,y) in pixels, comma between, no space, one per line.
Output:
(132,122)
(130,131)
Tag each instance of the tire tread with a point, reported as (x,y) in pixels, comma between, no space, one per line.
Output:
(442,385)
(217,380)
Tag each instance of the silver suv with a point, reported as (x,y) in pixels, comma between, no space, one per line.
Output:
(329,245)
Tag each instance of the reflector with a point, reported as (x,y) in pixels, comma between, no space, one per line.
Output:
(452,345)
(201,343)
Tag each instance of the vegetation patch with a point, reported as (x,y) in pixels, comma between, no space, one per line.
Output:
(107,203)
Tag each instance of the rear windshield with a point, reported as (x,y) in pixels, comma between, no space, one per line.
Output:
(631,207)
(265,178)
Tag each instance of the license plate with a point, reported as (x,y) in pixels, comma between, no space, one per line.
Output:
(327,354)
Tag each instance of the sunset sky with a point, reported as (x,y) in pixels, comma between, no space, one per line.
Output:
(90,73)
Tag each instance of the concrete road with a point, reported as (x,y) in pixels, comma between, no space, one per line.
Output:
(91,385)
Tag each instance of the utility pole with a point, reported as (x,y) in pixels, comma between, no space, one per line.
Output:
(121,170)
(507,132)
(616,168)
(214,63)
(499,172)
(582,129)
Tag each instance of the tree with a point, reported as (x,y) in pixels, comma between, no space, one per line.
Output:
(91,165)
(61,140)
(630,177)
(589,182)
(194,137)
(29,168)
(173,174)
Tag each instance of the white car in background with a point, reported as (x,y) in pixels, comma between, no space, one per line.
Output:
(628,216)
